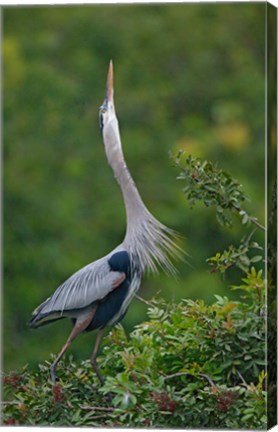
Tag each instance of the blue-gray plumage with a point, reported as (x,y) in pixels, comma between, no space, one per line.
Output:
(110,305)
(99,294)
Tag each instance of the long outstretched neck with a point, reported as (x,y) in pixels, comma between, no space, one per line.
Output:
(151,242)
(135,208)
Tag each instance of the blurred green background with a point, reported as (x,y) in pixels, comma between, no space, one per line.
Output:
(187,76)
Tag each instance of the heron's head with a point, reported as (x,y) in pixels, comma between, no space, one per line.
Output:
(107,110)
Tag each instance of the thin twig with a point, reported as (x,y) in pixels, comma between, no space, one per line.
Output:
(96,408)
(178,374)
(97,417)
(255,222)
(250,236)
(143,300)
(209,379)
(242,379)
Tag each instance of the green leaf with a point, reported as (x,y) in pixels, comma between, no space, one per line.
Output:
(256,258)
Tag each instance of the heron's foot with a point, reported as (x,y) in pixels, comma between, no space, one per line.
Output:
(95,367)
(110,398)
(53,373)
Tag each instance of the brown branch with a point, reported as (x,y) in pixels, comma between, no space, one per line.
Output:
(255,222)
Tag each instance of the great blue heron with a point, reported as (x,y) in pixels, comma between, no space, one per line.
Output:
(100,293)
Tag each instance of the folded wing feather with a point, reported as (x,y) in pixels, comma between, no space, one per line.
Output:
(84,287)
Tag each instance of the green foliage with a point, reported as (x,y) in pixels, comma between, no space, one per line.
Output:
(236,256)
(254,287)
(215,187)
(189,365)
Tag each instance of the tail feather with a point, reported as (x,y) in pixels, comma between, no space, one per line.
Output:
(41,318)
(38,321)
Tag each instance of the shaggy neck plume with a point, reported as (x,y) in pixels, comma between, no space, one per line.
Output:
(151,242)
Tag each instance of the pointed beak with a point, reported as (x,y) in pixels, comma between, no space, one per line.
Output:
(109,85)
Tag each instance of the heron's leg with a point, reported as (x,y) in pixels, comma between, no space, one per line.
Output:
(80,325)
(94,356)
(58,358)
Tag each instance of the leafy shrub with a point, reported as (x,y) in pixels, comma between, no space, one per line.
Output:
(189,365)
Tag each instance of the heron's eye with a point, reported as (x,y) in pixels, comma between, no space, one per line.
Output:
(103,110)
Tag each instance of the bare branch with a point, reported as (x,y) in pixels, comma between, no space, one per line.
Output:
(242,379)
(96,408)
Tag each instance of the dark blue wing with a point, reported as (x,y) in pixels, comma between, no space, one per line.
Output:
(109,307)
